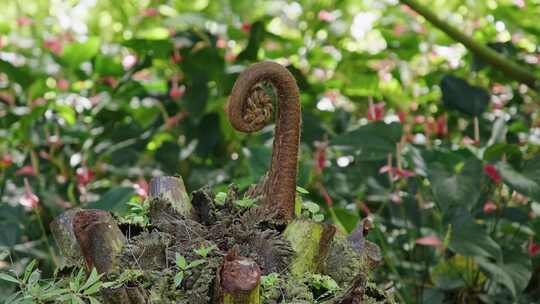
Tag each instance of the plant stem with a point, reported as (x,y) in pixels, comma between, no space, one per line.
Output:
(45,239)
(510,68)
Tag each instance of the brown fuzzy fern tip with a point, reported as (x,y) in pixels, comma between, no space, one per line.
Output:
(250,109)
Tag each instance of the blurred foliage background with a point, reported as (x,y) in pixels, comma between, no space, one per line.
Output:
(400,123)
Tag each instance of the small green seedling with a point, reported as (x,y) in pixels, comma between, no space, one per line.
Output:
(184,268)
(204,251)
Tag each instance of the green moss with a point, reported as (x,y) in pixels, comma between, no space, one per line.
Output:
(304,236)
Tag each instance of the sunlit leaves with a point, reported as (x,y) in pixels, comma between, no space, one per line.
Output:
(79,52)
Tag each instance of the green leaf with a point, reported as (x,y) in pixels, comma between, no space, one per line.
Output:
(256,37)
(527,182)
(195,263)
(196,96)
(20,75)
(497,273)
(371,142)
(455,272)
(154,48)
(259,160)
(471,239)
(178,278)
(29,270)
(79,52)
(92,278)
(204,251)
(7,277)
(181,261)
(457,94)
(301,190)
(93,300)
(220,198)
(451,189)
(499,151)
(245,203)
(312,207)
(108,66)
(114,200)
(155,33)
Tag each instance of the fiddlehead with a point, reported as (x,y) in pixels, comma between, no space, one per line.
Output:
(250,109)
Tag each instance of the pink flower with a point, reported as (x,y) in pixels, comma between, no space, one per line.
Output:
(419,119)
(376,111)
(29,199)
(327,199)
(24,21)
(469,141)
(150,12)
(533,248)
(221,43)
(432,241)
(84,176)
(395,198)
(396,173)
(176,57)
(54,45)
(230,57)
(442,127)
(26,171)
(399,29)
(402,116)
(489,207)
(174,120)
(141,188)
(326,16)
(129,61)
(62,84)
(110,81)
(177,91)
(246,27)
(492,172)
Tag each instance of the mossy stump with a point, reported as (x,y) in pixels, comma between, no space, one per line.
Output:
(230,248)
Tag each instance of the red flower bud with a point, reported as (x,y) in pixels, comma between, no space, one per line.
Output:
(489,207)
(492,172)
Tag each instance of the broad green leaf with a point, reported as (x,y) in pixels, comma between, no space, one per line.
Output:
(256,37)
(371,142)
(471,239)
(455,272)
(497,273)
(526,182)
(114,200)
(459,95)
(79,52)
(453,189)
(20,75)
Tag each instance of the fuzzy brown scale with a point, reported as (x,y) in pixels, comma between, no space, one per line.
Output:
(249,111)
